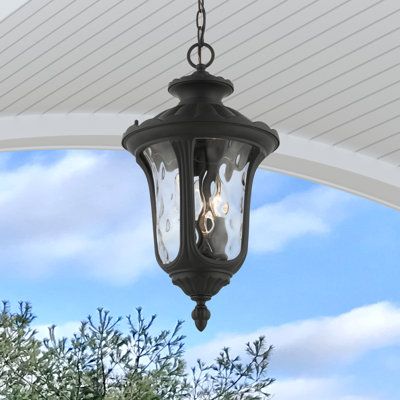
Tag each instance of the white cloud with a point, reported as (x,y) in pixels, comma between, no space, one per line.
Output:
(304,350)
(88,212)
(310,345)
(311,212)
(315,389)
(66,330)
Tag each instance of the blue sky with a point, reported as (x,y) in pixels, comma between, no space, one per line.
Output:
(321,280)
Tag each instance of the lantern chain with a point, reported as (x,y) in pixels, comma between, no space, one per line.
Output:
(201,22)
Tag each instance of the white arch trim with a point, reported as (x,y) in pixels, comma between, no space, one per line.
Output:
(333,166)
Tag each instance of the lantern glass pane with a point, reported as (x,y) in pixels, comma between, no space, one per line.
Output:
(163,164)
(221,169)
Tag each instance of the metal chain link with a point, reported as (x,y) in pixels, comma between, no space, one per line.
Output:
(201,20)
(201,27)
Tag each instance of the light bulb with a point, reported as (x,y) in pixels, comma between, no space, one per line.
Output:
(219,207)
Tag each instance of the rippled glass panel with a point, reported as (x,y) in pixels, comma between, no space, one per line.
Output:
(163,163)
(220,174)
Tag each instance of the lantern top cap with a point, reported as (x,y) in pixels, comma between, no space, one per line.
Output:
(201,95)
(201,85)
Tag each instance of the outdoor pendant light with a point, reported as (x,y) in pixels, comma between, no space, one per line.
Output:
(200,158)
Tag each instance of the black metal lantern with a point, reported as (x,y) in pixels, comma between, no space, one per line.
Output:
(200,158)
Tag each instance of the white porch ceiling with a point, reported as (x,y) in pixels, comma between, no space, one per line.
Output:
(324,73)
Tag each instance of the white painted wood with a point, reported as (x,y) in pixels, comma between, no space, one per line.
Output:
(325,73)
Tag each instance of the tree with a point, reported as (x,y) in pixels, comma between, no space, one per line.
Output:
(102,362)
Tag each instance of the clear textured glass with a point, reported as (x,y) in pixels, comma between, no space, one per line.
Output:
(220,174)
(163,163)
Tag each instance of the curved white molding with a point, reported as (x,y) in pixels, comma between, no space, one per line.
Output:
(60,131)
(339,168)
(333,166)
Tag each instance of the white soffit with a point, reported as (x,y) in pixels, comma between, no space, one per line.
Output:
(324,73)
(8,7)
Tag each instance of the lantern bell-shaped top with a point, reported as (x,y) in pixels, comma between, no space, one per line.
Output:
(200,158)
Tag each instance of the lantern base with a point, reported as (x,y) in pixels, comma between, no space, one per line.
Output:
(200,286)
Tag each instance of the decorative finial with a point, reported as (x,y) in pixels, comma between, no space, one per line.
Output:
(201,314)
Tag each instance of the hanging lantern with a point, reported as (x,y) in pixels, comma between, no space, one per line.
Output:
(200,158)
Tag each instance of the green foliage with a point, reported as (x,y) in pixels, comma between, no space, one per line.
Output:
(102,362)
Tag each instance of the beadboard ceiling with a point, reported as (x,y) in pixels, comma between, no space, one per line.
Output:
(324,73)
